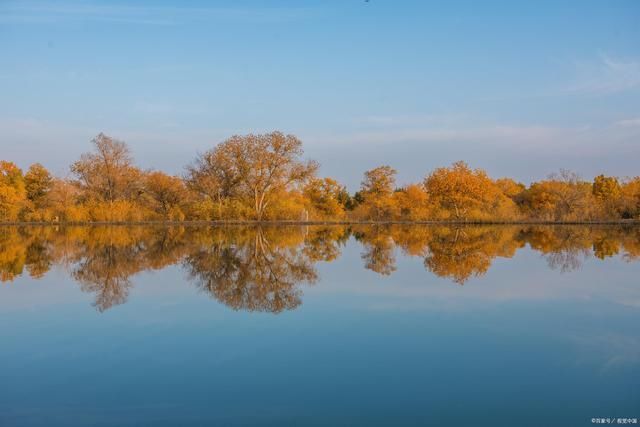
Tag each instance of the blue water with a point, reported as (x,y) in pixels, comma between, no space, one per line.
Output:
(522,344)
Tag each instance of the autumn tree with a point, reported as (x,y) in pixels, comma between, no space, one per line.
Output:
(164,194)
(630,198)
(561,197)
(539,201)
(607,191)
(254,168)
(214,175)
(327,198)
(462,193)
(12,191)
(510,188)
(573,193)
(62,200)
(38,182)
(412,202)
(108,173)
(376,192)
(605,187)
(379,181)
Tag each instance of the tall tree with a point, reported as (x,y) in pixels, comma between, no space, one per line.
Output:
(465,193)
(606,187)
(213,174)
(376,192)
(573,194)
(631,198)
(252,167)
(326,197)
(380,181)
(38,182)
(12,192)
(164,192)
(412,202)
(107,174)
(607,191)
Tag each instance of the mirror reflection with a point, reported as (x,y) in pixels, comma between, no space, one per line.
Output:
(265,268)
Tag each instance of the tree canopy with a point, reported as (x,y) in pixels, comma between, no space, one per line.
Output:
(265,177)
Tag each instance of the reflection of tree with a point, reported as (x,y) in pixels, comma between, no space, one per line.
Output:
(461,253)
(261,269)
(563,247)
(630,238)
(24,247)
(105,271)
(324,243)
(605,247)
(260,272)
(38,259)
(379,254)
(12,254)
(114,254)
(457,253)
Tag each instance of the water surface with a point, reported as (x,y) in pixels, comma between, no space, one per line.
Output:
(361,325)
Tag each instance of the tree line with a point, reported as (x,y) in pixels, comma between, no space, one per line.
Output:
(264,178)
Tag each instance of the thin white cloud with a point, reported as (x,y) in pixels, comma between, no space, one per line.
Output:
(607,76)
(634,122)
(467,131)
(172,144)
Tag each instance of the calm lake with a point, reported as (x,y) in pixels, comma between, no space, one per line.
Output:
(310,325)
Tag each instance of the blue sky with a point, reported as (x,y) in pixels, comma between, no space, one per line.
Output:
(516,88)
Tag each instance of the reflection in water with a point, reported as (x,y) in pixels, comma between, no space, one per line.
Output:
(263,268)
(252,269)
(378,255)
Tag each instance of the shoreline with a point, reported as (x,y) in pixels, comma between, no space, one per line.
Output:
(327,222)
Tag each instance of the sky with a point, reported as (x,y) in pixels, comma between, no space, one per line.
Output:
(519,89)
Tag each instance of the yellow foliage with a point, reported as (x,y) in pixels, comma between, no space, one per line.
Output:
(412,203)
(263,177)
(460,193)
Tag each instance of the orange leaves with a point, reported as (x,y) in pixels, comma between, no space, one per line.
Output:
(413,203)
(461,193)
(325,198)
(12,194)
(264,177)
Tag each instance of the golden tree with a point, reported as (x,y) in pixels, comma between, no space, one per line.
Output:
(12,191)
(164,194)
(108,173)
(630,198)
(325,197)
(38,182)
(376,191)
(561,197)
(412,203)
(252,167)
(463,193)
